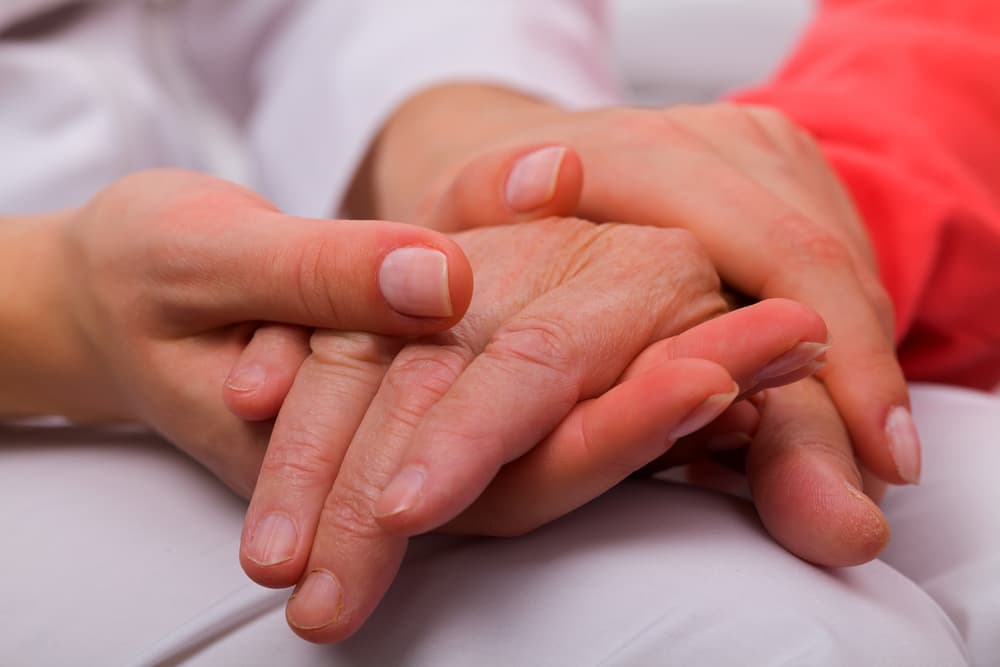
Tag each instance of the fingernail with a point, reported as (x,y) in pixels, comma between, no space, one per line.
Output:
(791,361)
(532,181)
(246,378)
(316,603)
(800,373)
(904,443)
(704,413)
(727,442)
(273,540)
(402,492)
(857,493)
(415,282)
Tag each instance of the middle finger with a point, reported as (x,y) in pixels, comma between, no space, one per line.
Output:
(322,411)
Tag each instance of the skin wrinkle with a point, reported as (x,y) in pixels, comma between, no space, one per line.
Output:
(645,274)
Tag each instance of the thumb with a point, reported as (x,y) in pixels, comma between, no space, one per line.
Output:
(375,276)
(507,186)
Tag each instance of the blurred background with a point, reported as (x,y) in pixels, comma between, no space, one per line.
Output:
(671,51)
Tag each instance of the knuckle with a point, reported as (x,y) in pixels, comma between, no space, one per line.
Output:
(349,512)
(351,363)
(420,378)
(352,350)
(303,459)
(543,343)
(437,368)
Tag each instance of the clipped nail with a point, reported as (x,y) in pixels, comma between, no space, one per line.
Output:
(711,408)
(791,361)
(904,443)
(402,492)
(727,442)
(316,603)
(273,540)
(415,282)
(246,378)
(532,181)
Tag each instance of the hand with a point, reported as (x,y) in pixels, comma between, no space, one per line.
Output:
(162,277)
(561,312)
(754,189)
(776,222)
(824,521)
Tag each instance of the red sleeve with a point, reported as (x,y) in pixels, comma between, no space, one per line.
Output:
(904,98)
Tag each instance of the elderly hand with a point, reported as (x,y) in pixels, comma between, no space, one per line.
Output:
(570,329)
(159,280)
(776,222)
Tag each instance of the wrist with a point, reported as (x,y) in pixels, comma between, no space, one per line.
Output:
(428,137)
(44,362)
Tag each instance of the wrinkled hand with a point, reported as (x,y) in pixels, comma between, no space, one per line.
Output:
(773,217)
(760,196)
(167,273)
(561,380)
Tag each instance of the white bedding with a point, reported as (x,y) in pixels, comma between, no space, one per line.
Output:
(118,548)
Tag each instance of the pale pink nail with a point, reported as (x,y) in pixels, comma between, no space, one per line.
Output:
(317,602)
(273,540)
(532,181)
(704,414)
(415,282)
(247,378)
(402,492)
(791,361)
(904,443)
(800,373)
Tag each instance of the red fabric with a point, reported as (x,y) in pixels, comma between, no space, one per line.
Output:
(904,98)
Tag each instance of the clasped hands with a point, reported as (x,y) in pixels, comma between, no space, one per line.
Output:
(587,350)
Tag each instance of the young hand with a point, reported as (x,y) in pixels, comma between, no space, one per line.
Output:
(151,292)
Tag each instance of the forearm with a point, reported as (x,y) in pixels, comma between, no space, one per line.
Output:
(44,368)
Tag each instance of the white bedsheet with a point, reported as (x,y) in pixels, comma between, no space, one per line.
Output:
(117,547)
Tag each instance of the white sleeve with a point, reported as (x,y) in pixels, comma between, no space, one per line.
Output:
(338,68)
